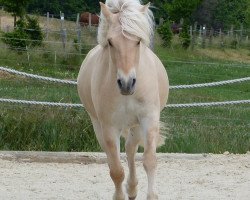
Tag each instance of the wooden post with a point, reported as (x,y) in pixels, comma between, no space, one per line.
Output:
(211,35)
(47,26)
(195,33)
(55,57)
(221,39)
(232,31)
(0,22)
(204,33)
(241,34)
(63,31)
(191,37)
(90,20)
(28,55)
(78,28)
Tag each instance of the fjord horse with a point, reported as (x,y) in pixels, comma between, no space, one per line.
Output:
(124,86)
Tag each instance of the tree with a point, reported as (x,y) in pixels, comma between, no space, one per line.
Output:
(230,12)
(16,7)
(181,9)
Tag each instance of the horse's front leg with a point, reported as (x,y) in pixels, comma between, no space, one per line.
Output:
(151,134)
(131,149)
(112,148)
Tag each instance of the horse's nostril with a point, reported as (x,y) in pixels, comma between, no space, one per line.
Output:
(133,83)
(119,83)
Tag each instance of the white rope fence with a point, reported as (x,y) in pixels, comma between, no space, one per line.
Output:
(44,78)
(54,104)
(55,80)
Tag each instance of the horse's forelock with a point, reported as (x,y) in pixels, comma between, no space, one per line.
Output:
(133,20)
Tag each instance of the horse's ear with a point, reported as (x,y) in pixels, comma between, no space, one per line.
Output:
(107,14)
(145,7)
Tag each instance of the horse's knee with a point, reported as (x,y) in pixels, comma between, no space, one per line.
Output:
(117,175)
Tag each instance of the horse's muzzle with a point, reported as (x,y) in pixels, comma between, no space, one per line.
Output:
(126,87)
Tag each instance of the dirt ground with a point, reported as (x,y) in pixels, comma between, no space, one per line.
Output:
(41,175)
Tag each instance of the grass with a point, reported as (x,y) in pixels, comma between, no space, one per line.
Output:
(190,130)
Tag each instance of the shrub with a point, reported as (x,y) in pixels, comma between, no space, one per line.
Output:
(166,33)
(34,31)
(184,36)
(26,33)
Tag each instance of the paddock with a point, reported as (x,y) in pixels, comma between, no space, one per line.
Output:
(51,175)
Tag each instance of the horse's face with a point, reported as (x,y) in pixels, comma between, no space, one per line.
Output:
(124,53)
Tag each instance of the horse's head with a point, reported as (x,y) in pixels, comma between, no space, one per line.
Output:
(124,49)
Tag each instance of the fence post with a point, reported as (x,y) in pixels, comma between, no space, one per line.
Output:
(55,57)
(47,26)
(232,31)
(0,22)
(28,55)
(63,31)
(195,29)
(191,37)
(221,39)
(204,33)
(211,34)
(90,20)
(78,28)
(241,33)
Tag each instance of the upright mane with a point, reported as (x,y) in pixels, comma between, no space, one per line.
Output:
(132,19)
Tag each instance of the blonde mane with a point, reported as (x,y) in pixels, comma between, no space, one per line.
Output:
(133,21)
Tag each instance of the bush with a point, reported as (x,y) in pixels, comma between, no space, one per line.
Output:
(34,31)
(16,39)
(26,33)
(184,36)
(166,33)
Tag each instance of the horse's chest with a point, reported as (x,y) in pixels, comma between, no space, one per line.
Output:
(126,113)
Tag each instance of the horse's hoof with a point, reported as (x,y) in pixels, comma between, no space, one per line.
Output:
(132,198)
(152,197)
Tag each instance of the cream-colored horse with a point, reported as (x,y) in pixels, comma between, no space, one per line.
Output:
(124,86)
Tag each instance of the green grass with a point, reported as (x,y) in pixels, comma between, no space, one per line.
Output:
(190,130)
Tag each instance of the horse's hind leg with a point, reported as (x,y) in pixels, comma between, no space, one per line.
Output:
(112,148)
(131,147)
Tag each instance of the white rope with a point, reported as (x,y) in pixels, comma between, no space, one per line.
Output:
(171,87)
(223,103)
(12,71)
(219,83)
(167,106)
(42,103)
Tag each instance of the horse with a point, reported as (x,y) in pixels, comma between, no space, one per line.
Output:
(123,85)
(85,19)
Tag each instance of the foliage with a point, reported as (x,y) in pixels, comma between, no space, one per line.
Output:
(69,7)
(184,36)
(166,33)
(230,12)
(181,9)
(17,8)
(26,33)
(34,31)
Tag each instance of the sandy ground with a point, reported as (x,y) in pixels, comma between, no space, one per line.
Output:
(78,176)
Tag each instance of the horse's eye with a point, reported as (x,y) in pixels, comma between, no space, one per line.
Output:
(138,43)
(110,44)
